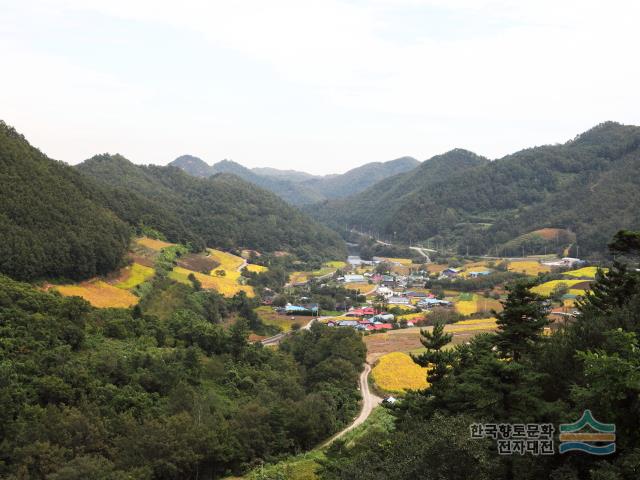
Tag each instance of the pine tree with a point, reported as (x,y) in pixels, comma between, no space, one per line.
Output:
(521,322)
(435,358)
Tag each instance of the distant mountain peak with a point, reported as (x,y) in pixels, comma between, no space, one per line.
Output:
(192,165)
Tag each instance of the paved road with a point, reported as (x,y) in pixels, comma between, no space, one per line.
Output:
(369,402)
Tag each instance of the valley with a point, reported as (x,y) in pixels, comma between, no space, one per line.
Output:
(204,310)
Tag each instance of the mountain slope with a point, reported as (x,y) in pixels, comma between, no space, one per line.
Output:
(359,179)
(285,189)
(588,185)
(300,188)
(223,210)
(50,222)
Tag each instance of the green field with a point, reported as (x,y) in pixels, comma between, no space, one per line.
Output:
(137,274)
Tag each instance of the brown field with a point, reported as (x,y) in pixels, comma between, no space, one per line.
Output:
(549,233)
(408,339)
(153,244)
(364,287)
(198,263)
(436,267)
(99,294)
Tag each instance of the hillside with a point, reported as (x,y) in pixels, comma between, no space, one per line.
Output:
(360,178)
(299,188)
(222,211)
(50,222)
(588,185)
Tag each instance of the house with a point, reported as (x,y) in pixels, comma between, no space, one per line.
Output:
(416,295)
(361,312)
(450,272)
(385,291)
(354,279)
(293,309)
(383,326)
(434,302)
(479,273)
(348,323)
(565,262)
(383,317)
(388,281)
(398,301)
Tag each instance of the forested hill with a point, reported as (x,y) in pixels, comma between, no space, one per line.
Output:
(222,211)
(50,223)
(299,188)
(588,185)
(289,191)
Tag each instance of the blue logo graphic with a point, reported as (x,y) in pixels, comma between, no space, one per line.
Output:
(600,441)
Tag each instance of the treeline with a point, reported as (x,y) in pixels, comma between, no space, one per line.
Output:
(157,392)
(519,376)
(50,223)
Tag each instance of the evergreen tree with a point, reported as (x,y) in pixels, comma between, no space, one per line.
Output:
(435,358)
(521,322)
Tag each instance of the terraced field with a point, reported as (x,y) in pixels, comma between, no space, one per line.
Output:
(256,268)
(134,275)
(99,294)
(153,244)
(227,285)
(547,288)
(585,272)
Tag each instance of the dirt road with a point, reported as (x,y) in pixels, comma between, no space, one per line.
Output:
(369,402)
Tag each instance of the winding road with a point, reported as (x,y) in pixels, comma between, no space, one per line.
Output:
(369,402)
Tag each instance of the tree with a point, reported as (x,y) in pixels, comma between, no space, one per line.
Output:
(197,284)
(521,322)
(435,358)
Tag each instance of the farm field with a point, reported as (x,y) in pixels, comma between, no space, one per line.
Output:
(547,288)
(585,272)
(470,303)
(256,268)
(227,261)
(99,294)
(397,372)
(408,339)
(528,267)
(298,277)
(227,285)
(407,262)
(153,244)
(197,262)
(336,264)
(364,287)
(270,317)
(134,275)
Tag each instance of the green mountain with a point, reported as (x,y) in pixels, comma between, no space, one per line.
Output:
(588,185)
(289,191)
(360,178)
(51,223)
(223,210)
(300,188)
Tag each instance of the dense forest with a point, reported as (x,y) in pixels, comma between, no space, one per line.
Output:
(518,376)
(51,224)
(298,188)
(223,211)
(588,186)
(118,394)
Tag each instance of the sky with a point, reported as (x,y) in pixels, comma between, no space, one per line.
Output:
(320,86)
